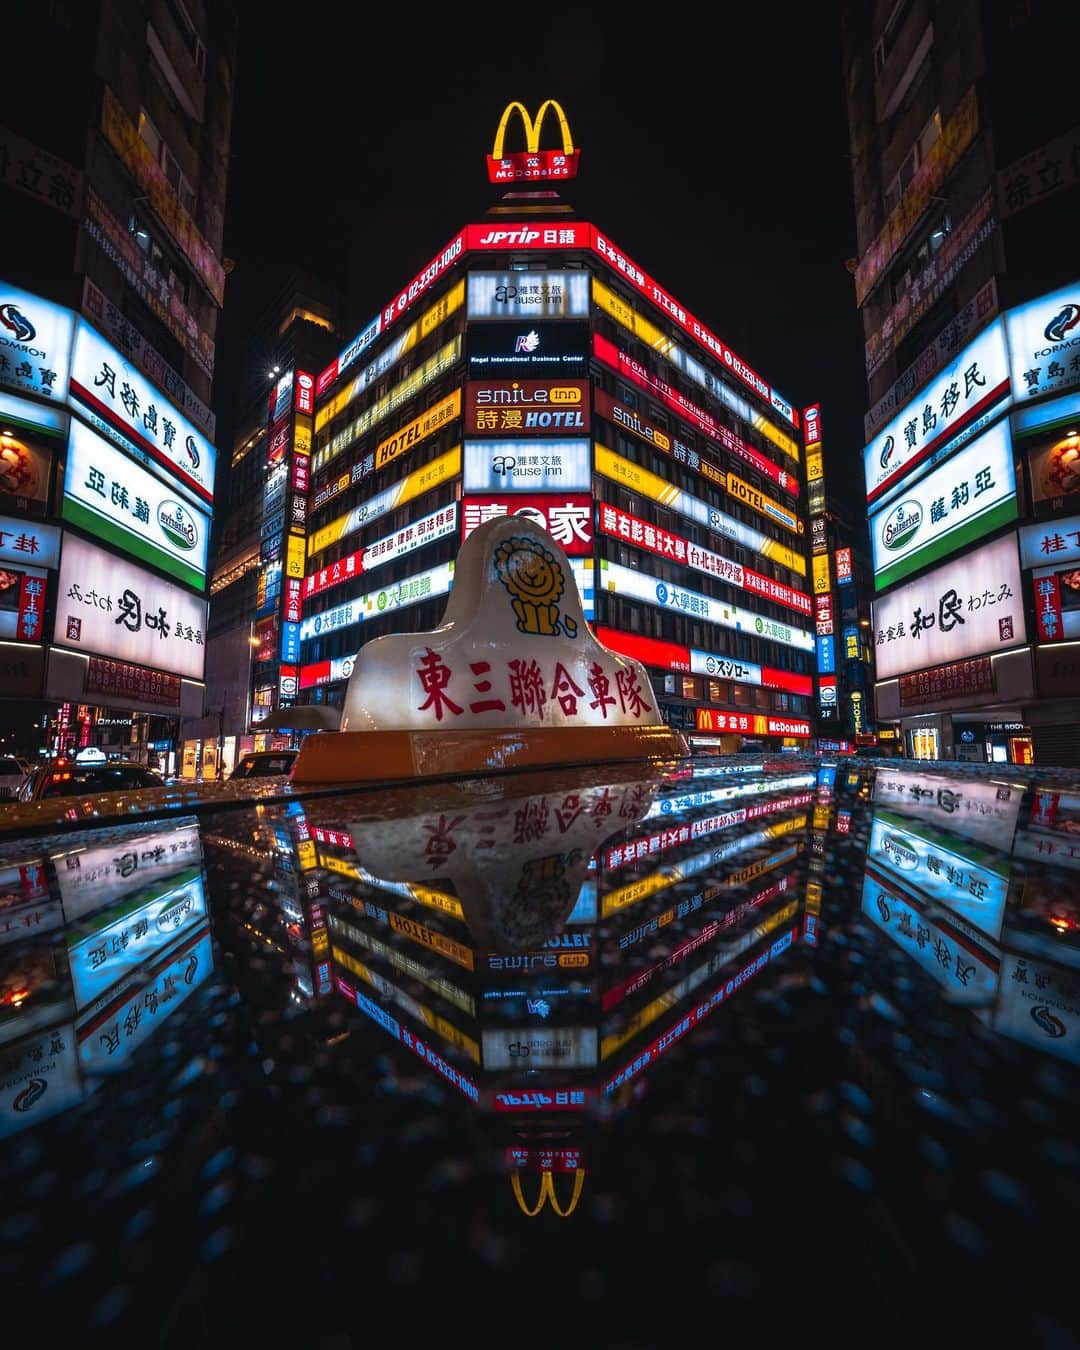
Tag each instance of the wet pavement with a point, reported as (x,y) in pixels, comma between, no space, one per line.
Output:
(576,1057)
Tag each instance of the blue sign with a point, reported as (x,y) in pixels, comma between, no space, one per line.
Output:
(826,655)
(290,642)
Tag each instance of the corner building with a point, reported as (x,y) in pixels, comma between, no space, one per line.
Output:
(966,176)
(533,368)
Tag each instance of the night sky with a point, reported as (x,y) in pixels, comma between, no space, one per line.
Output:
(715,156)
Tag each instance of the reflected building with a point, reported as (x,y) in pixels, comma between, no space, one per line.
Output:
(948,881)
(101,940)
(540,949)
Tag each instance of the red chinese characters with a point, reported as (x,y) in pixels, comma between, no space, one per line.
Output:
(525,687)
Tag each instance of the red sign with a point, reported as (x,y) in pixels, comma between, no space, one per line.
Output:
(843,566)
(671,656)
(713,719)
(566,516)
(123,680)
(641,534)
(516,407)
(959,677)
(326,378)
(606,406)
(304,392)
(301,472)
(823,620)
(513,235)
(686,321)
(812,424)
(279,440)
(523,166)
(266,633)
(1048,607)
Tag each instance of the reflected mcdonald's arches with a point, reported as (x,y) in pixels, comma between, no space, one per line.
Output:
(532,163)
(547,1192)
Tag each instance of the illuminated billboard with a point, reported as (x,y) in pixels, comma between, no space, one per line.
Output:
(636,585)
(111,497)
(633,476)
(968,497)
(397,595)
(955,406)
(121,402)
(567,517)
(436,525)
(654,539)
(108,606)
(35,342)
(673,656)
(970,606)
(422,480)
(527,466)
(513,407)
(528,347)
(1044,340)
(526,295)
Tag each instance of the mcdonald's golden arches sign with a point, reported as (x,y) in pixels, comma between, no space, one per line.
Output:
(532,164)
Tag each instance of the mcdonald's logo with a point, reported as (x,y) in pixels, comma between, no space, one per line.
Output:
(547,1192)
(532,164)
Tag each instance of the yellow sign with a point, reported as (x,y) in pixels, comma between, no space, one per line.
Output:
(547,1192)
(815,468)
(301,440)
(764,506)
(820,566)
(424,325)
(412,485)
(305,852)
(453,951)
(444,359)
(532,129)
(419,429)
(294,556)
(320,943)
(630,319)
(637,479)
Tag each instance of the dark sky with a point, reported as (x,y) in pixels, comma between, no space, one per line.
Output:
(714,154)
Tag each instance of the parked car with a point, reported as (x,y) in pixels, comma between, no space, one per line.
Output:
(264,764)
(65,778)
(12,774)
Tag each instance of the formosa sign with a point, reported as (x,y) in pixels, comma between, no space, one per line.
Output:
(532,164)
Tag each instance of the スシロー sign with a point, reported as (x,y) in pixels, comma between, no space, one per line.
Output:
(110,496)
(968,607)
(122,403)
(108,606)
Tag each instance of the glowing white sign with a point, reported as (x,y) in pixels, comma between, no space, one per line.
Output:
(527,466)
(35,343)
(110,496)
(122,403)
(968,607)
(626,581)
(106,606)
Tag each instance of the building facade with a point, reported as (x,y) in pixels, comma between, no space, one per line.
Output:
(533,368)
(253,646)
(111,287)
(966,161)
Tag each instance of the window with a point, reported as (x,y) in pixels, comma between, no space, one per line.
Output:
(187,31)
(914,158)
(174,175)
